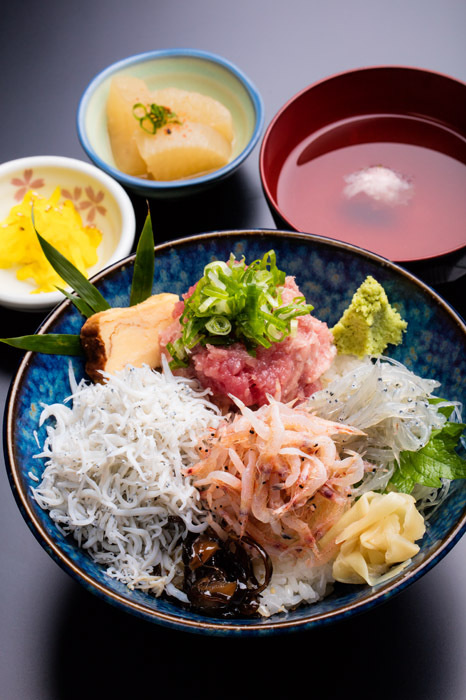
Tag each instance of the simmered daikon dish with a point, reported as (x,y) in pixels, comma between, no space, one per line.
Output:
(236,455)
(166,134)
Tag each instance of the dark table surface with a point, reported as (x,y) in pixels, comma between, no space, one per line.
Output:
(56,640)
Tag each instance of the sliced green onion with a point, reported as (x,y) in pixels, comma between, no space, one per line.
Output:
(274,333)
(139,111)
(218,325)
(178,352)
(205,304)
(152,117)
(216,281)
(235,302)
(216,292)
(217,266)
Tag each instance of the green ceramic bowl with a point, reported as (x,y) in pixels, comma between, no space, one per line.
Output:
(186,69)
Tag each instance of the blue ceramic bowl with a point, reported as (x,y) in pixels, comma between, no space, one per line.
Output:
(328,272)
(187,69)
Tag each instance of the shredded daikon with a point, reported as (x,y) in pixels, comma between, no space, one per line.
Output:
(113,475)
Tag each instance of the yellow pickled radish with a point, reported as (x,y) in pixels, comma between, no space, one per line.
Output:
(183,150)
(60,225)
(125,92)
(197,108)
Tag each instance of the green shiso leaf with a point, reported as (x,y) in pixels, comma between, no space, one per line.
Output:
(144,264)
(447,408)
(50,344)
(437,460)
(80,304)
(401,482)
(234,302)
(71,275)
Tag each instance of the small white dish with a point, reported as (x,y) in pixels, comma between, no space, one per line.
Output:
(98,198)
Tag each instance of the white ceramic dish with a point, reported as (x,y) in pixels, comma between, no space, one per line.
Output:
(99,199)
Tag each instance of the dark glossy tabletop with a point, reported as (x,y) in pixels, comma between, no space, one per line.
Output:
(56,640)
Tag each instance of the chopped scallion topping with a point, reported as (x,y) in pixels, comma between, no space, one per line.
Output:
(152,117)
(235,302)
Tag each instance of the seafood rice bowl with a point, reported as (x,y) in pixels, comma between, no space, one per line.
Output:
(280,454)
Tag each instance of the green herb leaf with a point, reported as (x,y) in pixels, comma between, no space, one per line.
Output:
(50,344)
(80,304)
(435,461)
(144,264)
(235,302)
(446,410)
(71,275)
(400,481)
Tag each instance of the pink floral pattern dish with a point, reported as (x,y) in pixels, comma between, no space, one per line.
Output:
(100,200)
(26,183)
(86,200)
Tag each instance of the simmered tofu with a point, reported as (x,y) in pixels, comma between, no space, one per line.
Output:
(117,337)
(123,127)
(197,108)
(183,150)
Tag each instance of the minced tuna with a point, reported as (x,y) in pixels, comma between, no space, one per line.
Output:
(287,370)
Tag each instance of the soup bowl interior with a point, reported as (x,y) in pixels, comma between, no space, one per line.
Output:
(328,273)
(369,108)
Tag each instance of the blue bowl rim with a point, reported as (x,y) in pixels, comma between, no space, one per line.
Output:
(165,185)
(210,626)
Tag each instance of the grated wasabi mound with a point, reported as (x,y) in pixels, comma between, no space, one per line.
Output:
(369,324)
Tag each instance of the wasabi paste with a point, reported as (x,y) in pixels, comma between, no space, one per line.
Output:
(369,324)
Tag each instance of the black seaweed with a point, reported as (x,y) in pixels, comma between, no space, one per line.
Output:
(219,579)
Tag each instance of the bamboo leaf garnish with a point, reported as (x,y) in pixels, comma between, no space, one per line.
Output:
(144,265)
(49,344)
(72,275)
(80,304)
(89,299)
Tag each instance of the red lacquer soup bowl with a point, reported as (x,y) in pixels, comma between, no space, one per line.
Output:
(375,157)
